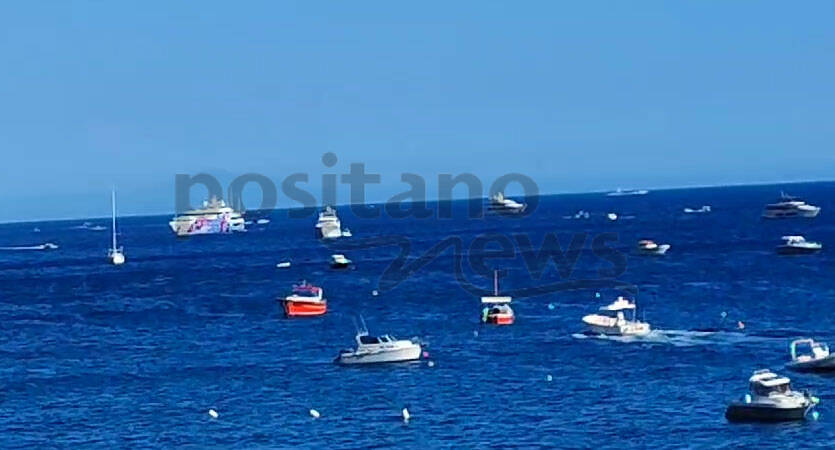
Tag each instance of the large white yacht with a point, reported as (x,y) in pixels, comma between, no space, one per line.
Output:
(499,204)
(789,206)
(328,226)
(610,320)
(214,217)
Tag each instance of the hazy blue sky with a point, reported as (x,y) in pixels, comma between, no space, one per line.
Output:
(580,96)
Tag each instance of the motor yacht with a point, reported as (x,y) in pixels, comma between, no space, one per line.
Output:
(798,245)
(214,217)
(771,399)
(339,261)
(306,300)
(789,206)
(499,204)
(627,192)
(328,226)
(379,349)
(703,210)
(497,310)
(648,247)
(611,320)
(810,356)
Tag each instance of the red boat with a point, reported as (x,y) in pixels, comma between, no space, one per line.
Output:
(306,300)
(497,310)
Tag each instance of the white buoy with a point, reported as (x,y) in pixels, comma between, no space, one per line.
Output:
(213,414)
(406,415)
(475,333)
(431,364)
(315,414)
(375,293)
(612,216)
(549,378)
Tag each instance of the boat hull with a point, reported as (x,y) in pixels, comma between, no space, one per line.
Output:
(817,365)
(304,309)
(749,412)
(805,214)
(618,331)
(206,226)
(382,357)
(792,250)
(500,319)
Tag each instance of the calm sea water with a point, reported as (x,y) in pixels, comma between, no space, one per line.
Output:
(134,356)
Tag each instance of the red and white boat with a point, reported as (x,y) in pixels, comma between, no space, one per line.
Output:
(306,300)
(497,310)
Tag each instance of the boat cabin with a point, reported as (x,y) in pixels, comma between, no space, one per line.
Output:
(365,339)
(808,350)
(765,382)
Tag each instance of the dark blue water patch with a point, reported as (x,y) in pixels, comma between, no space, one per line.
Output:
(135,356)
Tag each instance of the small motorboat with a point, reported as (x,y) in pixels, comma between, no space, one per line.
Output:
(346,233)
(306,300)
(497,310)
(612,216)
(810,356)
(379,349)
(648,247)
(798,245)
(283,265)
(339,261)
(262,221)
(703,210)
(771,399)
(611,320)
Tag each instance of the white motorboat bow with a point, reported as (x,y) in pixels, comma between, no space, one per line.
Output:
(648,247)
(798,245)
(810,356)
(379,349)
(771,399)
(788,207)
(611,320)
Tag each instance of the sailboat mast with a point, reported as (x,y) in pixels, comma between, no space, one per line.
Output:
(496,283)
(113,225)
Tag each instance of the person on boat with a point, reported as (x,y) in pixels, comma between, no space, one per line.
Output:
(485,313)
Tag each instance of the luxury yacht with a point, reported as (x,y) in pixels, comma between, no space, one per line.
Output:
(810,356)
(379,349)
(798,245)
(214,217)
(499,204)
(328,226)
(648,247)
(771,399)
(610,320)
(790,207)
(627,192)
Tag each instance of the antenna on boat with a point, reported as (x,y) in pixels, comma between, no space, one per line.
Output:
(496,282)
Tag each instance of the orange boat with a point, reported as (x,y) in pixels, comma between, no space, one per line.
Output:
(306,300)
(497,310)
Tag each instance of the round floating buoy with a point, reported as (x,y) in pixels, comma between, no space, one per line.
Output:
(549,378)
(597,295)
(740,325)
(315,414)
(213,414)
(724,314)
(431,364)
(425,354)
(406,415)
(816,415)
(551,306)
(375,293)
(475,333)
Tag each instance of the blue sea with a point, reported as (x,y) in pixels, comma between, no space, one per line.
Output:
(93,355)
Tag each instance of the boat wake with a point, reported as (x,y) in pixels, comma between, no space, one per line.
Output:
(684,338)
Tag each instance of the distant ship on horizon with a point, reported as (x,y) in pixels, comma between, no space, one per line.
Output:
(213,218)
(627,192)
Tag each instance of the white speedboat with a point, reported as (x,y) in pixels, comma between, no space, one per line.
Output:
(612,216)
(703,210)
(499,204)
(627,192)
(648,247)
(339,261)
(810,356)
(116,254)
(379,349)
(789,206)
(611,320)
(214,217)
(798,245)
(771,399)
(328,226)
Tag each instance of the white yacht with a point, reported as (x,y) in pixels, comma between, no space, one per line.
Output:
(789,206)
(703,210)
(810,356)
(116,254)
(328,226)
(499,204)
(771,399)
(379,349)
(798,245)
(648,247)
(610,320)
(214,217)
(339,261)
(627,192)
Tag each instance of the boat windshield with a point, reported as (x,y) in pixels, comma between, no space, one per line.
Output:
(762,390)
(369,340)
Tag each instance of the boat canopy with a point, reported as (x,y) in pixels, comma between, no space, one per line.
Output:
(618,305)
(794,239)
(366,339)
(496,299)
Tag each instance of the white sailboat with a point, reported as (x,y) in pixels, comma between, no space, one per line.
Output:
(116,254)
